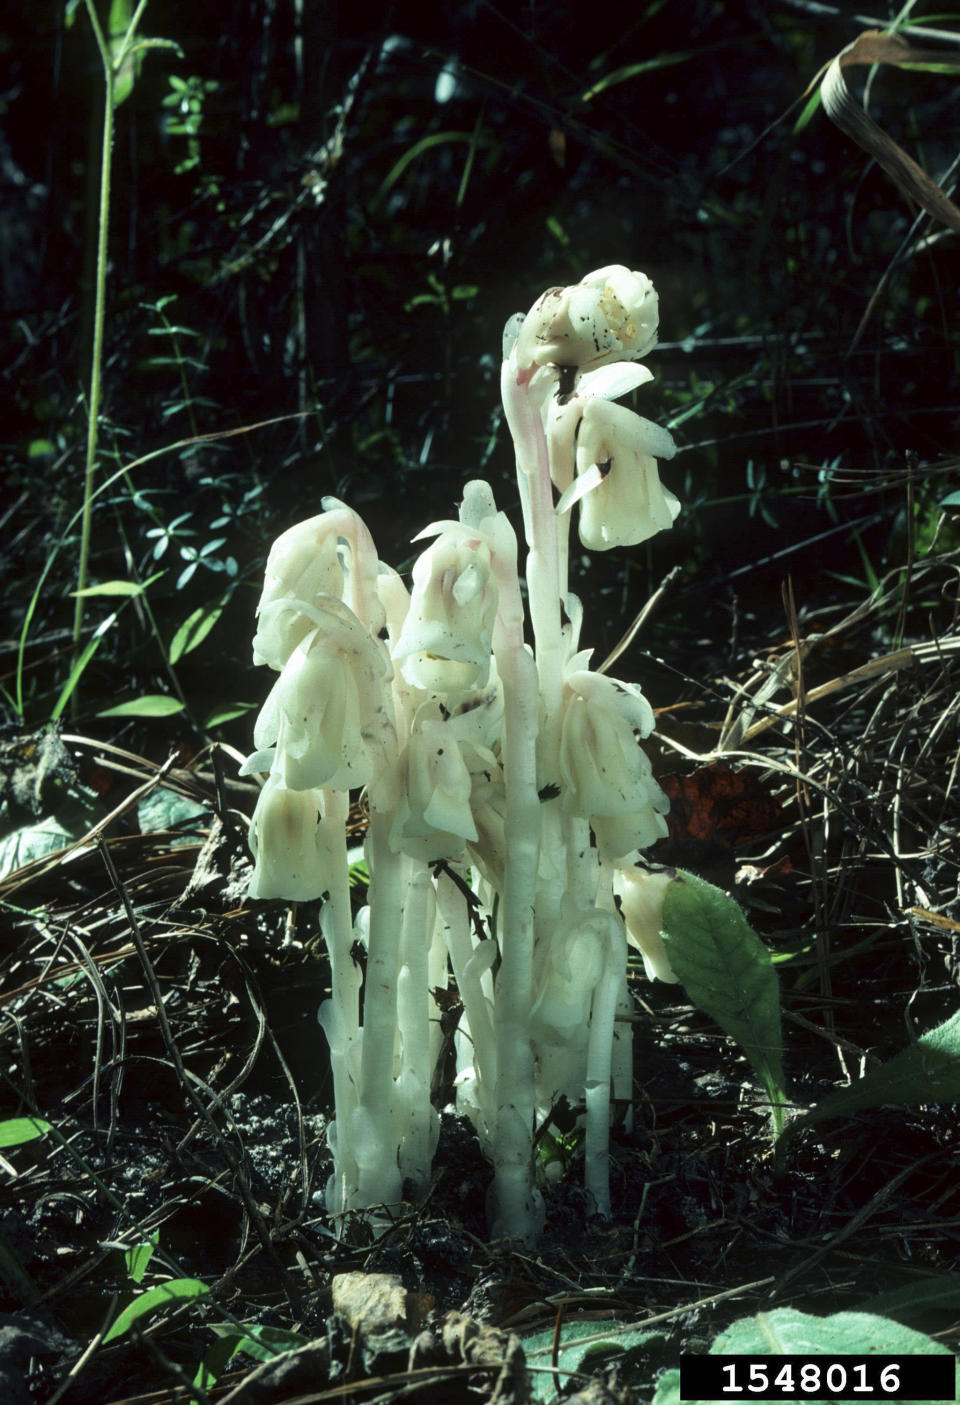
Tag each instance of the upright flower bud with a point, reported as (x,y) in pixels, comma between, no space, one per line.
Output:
(445,643)
(610,315)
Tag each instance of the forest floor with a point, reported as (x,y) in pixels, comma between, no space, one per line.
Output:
(160,1030)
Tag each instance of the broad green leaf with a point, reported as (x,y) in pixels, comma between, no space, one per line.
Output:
(137,1258)
(150,705)
(927,1072)
(940,1293)
(579,1342)
(786,1330)
(32,841)
(951,500)
(165,809)
(195,629)
(17,1130)
(264,1343)
(727,971)
(220,1354)
(177,1290)
(668,1389)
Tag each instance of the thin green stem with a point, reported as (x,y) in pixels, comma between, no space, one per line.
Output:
(111,66)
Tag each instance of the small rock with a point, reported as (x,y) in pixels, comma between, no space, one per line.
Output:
(378,1302)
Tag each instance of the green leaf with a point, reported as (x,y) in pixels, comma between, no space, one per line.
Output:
(40,448)
(77,671)
(939,1293)
(150,705)
(809,108)
(182,1290)
(264,1343)
(668,1389)
(411,154)
(726,971)
(951,500)
(165,809)
(927,1072)
(227,713)
(581,1342)
(32,841)
(17,1130)
(114,588)
(633,70)
(785,1331)
(138,1257)
(220,1354)
(195,629)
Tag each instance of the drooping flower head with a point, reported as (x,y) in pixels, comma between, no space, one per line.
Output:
(606,775)
(622,501)
(447,636)
(610,315)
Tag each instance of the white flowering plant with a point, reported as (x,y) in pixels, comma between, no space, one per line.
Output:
(509,795)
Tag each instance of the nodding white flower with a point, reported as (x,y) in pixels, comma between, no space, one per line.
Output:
(622,501)
(331,554)
(641,895)
(610,315)
(284,840)
(446,640)
(326,710)
(433,818)
(606,774)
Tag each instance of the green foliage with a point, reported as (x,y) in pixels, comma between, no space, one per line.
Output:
(17,1130)
(586,1348)
(726,971)
(785,1330)
(174,1291)
(927,1072)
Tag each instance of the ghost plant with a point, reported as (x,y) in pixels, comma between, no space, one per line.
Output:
(507,790)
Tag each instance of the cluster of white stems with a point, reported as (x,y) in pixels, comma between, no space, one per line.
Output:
(507,790)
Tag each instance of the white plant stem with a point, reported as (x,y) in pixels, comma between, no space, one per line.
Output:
(599,1064)
(375,1137)
(415,1007)
(342,1019)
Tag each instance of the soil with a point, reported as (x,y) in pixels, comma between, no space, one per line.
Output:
(205,1130)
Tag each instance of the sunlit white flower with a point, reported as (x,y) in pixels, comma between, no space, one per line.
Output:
(285,846)
(621,499)
(641,896)
(447,636)
(605,772)
(331,554)
(610,315)
(433,818)
(326,710)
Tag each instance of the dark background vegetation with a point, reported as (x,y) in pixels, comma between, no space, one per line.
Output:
(326,212)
